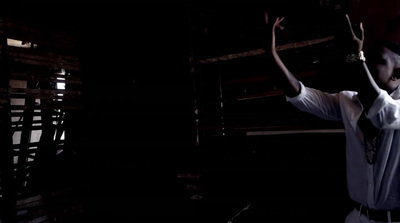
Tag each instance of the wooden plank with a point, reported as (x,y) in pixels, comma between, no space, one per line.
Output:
(30,152)
(297,131)
(261,95)
(43,91)
(188,175)
(30,202)
(20,128)
(262,51)
(265,78)
(44,62)
(34,121)
(41,219)
(266,93)
(54,78)
(39,54)
(45,107)
(33,146)
(21,113)
(247,80)
(35,57)
(26,127)
(21,30)
(273,130)
(44,96)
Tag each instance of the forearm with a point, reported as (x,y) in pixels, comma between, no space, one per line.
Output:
(368,90)
(289,82)
(371,91)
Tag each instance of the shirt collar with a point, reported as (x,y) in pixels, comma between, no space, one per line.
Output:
(396,93)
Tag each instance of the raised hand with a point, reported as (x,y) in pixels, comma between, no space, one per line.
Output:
(357,42)
(276,24)
(289,82)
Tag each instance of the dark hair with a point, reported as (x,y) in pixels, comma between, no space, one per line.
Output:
(393,24)
(391,40)
(394,47)
(391,35)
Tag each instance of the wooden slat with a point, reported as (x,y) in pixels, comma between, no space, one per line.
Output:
(21,113)
(189,175)
(262,51)
(39,58)
(20,128)
(30,202)
(21,30)
(35,145)
(45,107)
(66,98)
(261,95)
(36,77)
(247,80)
(31,144)
(44,96)
(14,123)
(270,130)
(264,78)
(280,132)
(43,91)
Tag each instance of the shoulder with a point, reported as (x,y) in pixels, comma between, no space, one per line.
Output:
(347,93)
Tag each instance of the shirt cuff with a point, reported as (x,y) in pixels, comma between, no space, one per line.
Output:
(298,97)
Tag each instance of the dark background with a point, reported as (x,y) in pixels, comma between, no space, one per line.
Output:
(141,130)
(138,127)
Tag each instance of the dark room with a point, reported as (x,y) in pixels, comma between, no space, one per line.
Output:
(200,111)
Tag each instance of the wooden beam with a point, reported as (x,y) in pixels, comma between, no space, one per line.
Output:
(40,58)
(43,91)
(33,76)
(262,51)
(261,95)
(45,107)
(296,131)
(21,30)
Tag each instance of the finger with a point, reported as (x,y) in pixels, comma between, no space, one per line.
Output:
(362,30)
(279,24)
(350,26)
(280,27)
(278,21)
(266,17)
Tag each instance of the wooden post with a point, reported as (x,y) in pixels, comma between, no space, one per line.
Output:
(8,200)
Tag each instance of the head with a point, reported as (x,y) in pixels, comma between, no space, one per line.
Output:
(384,58)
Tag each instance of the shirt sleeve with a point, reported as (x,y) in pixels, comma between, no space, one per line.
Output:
(385,112)
(319,103)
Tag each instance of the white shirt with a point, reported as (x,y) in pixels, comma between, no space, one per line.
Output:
(376,186)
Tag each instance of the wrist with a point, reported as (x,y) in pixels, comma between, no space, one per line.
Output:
(355,57)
